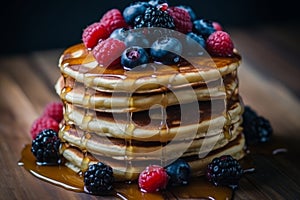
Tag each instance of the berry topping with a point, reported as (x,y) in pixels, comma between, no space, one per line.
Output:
(257,129)
(219,43)
(194,45)
(54,110)
(248,115)
(93,33)
(45,147)
(134,56)
(153,178)
(108,52)
(112,20)
(179,172)
(41,124)
(225,171)
(217,26)
(182,19)
(98,179)
(203,27)
(157,2)
(190,11)
(163,7)
(136,38)
(153,17)
(134,10)
(166,50)
(119,34)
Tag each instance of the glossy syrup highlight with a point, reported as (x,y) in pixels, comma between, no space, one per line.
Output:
(64,177)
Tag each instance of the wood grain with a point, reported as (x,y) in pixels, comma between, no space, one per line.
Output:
(268,82)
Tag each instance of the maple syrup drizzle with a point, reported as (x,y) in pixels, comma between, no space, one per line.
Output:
(64,177)
(163,129)
(129,132)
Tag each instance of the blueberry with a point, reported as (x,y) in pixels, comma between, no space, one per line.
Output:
(190,11)
(203,27)
(194,45)
(134,56)
(157,2)
(134,10)
(179,172)
(119,34)
(166,50)
(136,39)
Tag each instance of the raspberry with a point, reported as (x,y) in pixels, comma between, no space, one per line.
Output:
(93,33)
(41,124)
(217,26)
(54,110)
(45,147)
(219,43)
(112,20)
(182,19)
(153,178)
(109,51)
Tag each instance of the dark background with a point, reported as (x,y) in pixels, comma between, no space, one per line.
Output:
(45,24)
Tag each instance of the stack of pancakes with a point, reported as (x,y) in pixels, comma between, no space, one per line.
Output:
(153,114)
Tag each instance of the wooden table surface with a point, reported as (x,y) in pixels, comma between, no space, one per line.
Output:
(269,83)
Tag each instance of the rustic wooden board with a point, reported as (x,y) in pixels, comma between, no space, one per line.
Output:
(268,82)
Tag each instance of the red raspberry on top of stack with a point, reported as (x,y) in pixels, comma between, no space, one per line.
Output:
(97,31)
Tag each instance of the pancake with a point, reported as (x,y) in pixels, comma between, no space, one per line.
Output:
(138,149)
(150,115)
(147,126)
(78,161)
(79,63)
(79,95)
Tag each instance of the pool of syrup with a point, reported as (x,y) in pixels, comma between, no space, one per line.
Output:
(198,188)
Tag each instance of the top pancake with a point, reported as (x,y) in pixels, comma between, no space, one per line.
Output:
(80,64)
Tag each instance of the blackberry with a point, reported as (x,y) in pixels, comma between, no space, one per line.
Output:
(153,17)
(225,171)
(45,147)
(248,115)
(98,179)
(257,129)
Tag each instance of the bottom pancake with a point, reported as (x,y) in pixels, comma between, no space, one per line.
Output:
(78,160)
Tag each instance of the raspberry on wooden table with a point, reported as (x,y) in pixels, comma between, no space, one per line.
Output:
(54,110)
(42,123)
